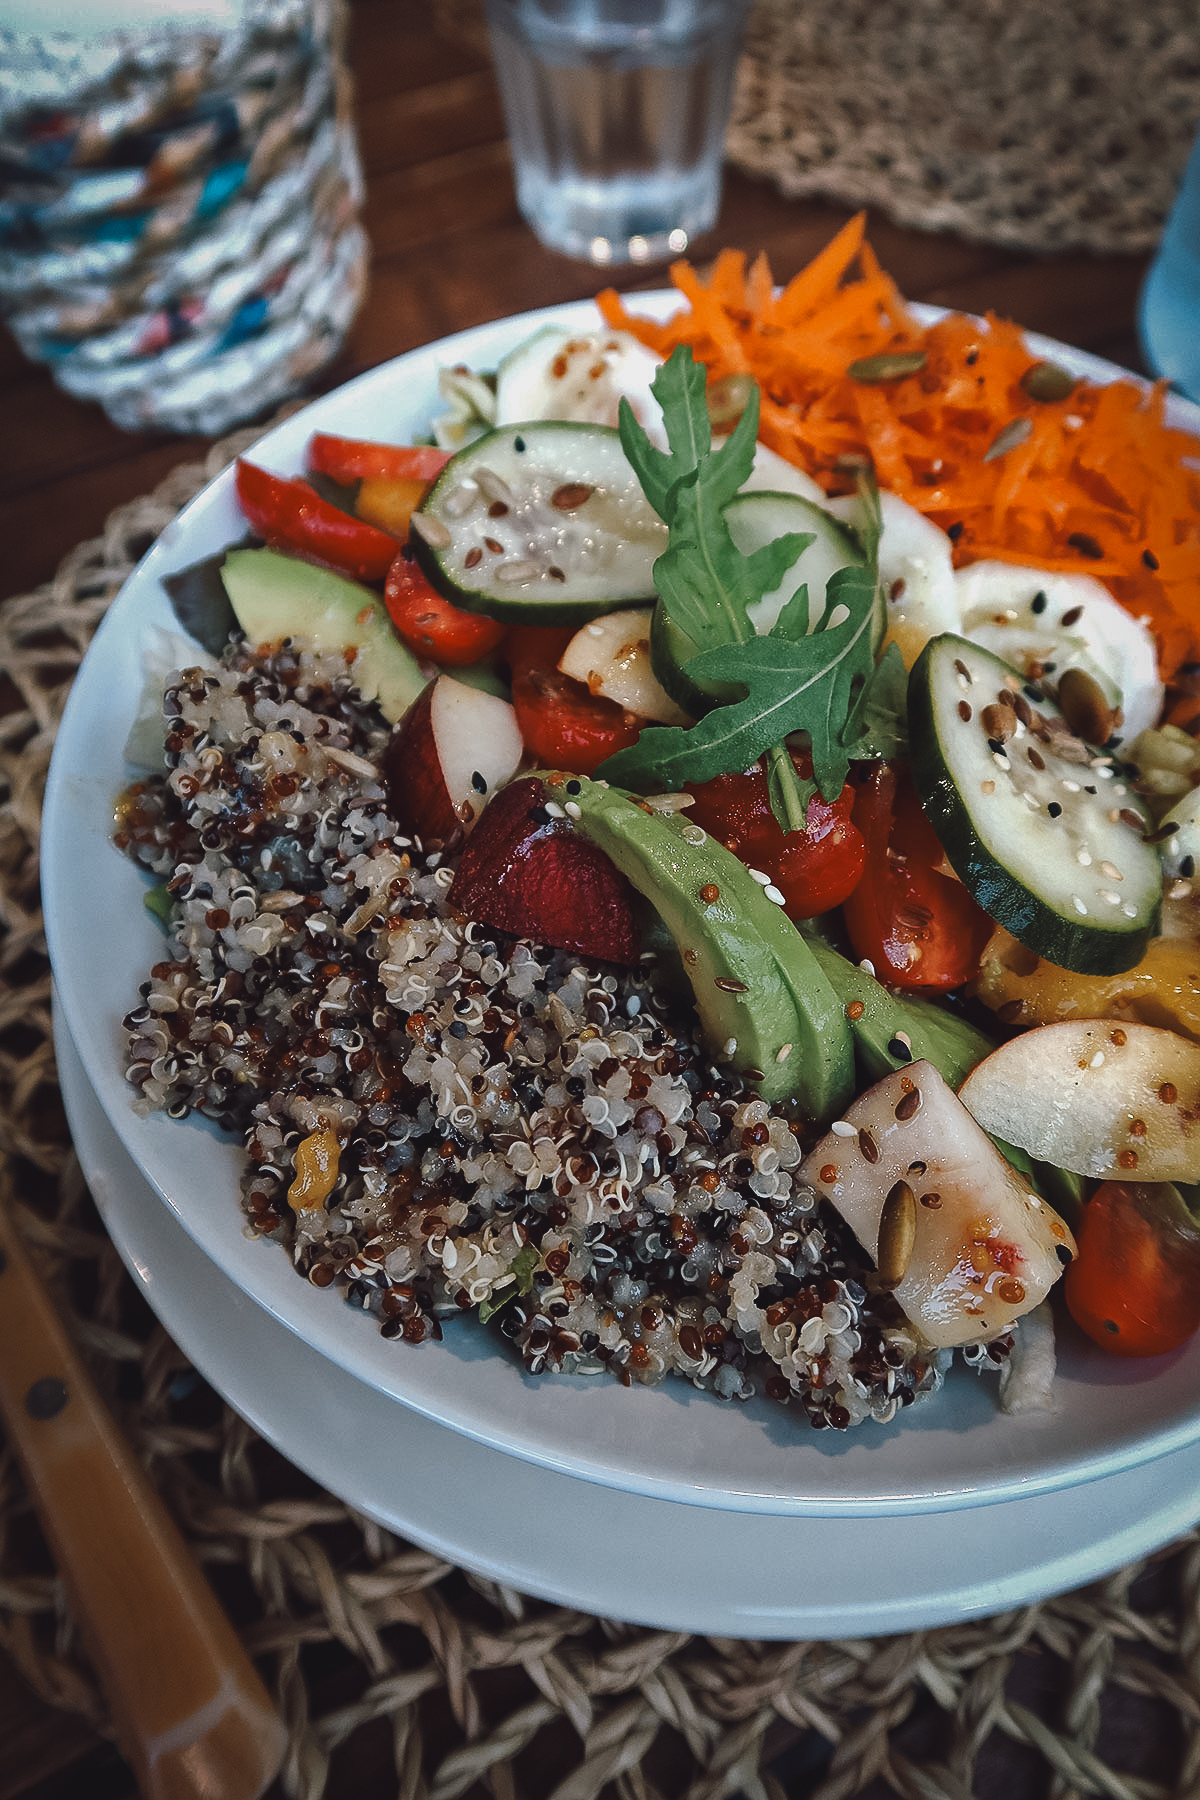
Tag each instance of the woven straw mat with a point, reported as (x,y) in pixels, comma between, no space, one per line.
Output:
(472,1688)
(1047,127)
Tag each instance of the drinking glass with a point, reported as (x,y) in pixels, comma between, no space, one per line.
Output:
(616,112)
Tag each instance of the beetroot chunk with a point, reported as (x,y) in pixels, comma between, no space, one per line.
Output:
(528,871)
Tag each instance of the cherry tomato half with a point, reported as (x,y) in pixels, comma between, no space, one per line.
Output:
(919,927)
(429,624)
(564,726)
(1135,1285)
(814,869)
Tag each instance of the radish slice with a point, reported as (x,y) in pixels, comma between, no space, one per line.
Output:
(985,1248)
(1037,617)
(1097,1098)
(611,656)
(478,743)
(916,572)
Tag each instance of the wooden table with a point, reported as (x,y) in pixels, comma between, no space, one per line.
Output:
(450,250)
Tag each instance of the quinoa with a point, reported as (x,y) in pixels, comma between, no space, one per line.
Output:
(441,1119)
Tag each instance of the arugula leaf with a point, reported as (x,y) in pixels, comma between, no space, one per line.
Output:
(789,684)
(792,678)
(877,729)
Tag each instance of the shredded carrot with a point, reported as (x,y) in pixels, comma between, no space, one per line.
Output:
(1102,485)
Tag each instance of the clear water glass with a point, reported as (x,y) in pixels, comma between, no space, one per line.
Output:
(616,113)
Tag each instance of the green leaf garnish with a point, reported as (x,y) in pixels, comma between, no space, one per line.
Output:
(522,1269)
(160,901)
(793,678)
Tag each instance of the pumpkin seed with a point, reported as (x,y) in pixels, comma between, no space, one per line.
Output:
(1048,381)
(1017,431)
(889,365)
(728,399)
(897,1234)
(1084,705)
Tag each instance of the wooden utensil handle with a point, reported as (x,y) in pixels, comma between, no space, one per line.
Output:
(192,1715)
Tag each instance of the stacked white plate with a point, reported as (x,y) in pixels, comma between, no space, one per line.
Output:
(661,1506)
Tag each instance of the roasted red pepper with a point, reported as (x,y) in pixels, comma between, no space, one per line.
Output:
(291,516)
(355,459)
(917,925)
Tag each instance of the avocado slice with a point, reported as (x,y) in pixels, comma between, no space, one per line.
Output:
(934,1035)
(276,597)
(756,982)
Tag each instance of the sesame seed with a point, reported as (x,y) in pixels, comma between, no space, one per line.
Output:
(1072,787)
(1179,890)
(1129,910)
(773,893)
(757,875)
(730,1046)
(1084,858)
(867,966)
(554,809)
(1001,761)
(783,1052)
(1078,904)
(1110,897)
(573,809)
(1054,809)
(843,1129)
(1097,1061)
(513,572)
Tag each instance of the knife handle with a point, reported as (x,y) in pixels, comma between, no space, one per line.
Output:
(192,1715)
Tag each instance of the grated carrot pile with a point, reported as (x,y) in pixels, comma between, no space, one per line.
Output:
(1100,485)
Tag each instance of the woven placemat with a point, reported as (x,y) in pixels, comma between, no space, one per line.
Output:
(475,1688)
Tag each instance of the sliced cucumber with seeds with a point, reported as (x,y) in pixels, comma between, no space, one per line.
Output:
(1050,845)
(757,517)
(544,523)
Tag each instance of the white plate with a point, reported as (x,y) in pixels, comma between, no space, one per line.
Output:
(705,1570)
(671,1442)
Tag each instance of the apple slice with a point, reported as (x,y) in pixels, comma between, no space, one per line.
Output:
(611,656)
(956,1234)
(528,871)
(454,747)
(1095,1096)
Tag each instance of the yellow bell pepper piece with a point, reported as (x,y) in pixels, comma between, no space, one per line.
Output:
(1163,989)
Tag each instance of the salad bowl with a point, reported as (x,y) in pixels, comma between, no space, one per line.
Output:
(669,1443)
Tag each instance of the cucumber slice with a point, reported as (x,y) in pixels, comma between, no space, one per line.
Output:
(757,518)
(543,524)
(1039,841)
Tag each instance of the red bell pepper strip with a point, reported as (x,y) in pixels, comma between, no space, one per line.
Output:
(429,624)
(354,459)
(291,516)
